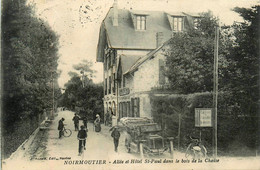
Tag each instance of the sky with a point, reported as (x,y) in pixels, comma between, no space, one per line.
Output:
(77,23)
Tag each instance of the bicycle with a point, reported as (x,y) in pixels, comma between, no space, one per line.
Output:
(66,132)
(195,149)
(47,123)
(82,147)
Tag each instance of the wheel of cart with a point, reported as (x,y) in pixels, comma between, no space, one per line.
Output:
(127,145)
(128,141)
(141,148)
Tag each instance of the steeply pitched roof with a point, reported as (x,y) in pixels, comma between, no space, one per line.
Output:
(125,36)
(141,60)
(127,61)
(176,14)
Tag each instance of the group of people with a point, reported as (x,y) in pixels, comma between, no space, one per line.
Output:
(76,119)
(82,133)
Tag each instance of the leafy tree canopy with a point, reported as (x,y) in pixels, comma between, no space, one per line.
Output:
(81,92)
(189,58)
(30,61)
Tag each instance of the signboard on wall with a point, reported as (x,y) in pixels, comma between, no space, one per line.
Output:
(203,117)
(124,91)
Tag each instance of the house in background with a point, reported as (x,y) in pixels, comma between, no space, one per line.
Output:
(130,47)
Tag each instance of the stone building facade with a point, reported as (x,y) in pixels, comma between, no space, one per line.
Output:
(130,47)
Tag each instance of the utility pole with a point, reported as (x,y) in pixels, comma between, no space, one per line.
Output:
(215,93)
(52,116)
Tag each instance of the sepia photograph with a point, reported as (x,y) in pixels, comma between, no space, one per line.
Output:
(130,84)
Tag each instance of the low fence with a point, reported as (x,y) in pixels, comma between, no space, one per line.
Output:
(18,132)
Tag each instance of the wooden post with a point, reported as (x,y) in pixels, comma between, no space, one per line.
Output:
(53,96)
(141,150)
(171,146)
(179,131)
(200,134)
(215,92)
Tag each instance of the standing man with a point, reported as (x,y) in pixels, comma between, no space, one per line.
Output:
(76,122)
(116,135)
(60,127)
(85,121)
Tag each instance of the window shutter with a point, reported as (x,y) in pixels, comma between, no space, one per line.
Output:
(110,82)
(138,106)
(161,72)
(132,107)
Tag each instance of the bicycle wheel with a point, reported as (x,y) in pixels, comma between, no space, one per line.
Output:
(189,152)
(82,151)
(67,133)
(203,151)
(46,124)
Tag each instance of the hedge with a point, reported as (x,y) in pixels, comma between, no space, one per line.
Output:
(237,134)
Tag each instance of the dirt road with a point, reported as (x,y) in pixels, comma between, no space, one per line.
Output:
(48,152)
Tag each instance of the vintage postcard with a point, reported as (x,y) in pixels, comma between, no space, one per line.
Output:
(130,84)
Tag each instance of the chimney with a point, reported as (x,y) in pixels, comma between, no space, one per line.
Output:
(115,16)
(159,39)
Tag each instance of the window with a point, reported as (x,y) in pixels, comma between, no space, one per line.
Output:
(105,86)
(109,85)
(114,83)
(177,23)
(112,55)
(195,23)
(135,102)
(114,108)
(141,22)
(123,81)
(108,62)
(120,110)
(124,109)
(119,83)
(128,109)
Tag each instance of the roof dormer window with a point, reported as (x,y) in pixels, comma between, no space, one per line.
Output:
(195,22)
(141,22)
(177,24)
(176,20)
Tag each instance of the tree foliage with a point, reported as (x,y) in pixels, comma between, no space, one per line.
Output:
(189,60)
(81,92)
(29,61)
(244,71)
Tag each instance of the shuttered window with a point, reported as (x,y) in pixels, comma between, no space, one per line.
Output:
(128,109)
(105,86)
(138,106)
(120,110)
(161,72)
(135,105)
(114,83)
(132,107)
(110,82)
